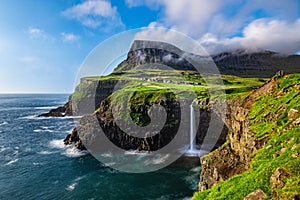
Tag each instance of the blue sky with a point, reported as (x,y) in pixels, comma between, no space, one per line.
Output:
(43,43)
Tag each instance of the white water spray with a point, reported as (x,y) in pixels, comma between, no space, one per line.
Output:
(192,127)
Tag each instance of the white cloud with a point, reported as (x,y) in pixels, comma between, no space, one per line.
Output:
(94,14)
(261,34)
(216,23)
(154,4)
(38,33)
(69,37)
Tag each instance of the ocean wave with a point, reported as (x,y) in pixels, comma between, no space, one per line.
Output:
(12,161)
(136,152)
(196,169)
(45,107)
(69,151)
(45,152)
(37,163)
(3,123)
(74,184)
(107,155)
(72,152)
(44,130)
(35,117)
(57,144)
(71,187)
(2,148)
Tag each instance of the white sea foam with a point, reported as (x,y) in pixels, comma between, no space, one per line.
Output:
(35,117)
(135,152)
(106,155)
(16,152)
(110,164)
(72,152)
(2,148)
(37,164)
(44,130)
(45,152)
(12,161)
(3,123)
(69,151)
(57,144)
(45,107)
(160,160)
(196,169)
(72,186)
(188,198)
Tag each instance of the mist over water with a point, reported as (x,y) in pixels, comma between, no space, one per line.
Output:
(35,164)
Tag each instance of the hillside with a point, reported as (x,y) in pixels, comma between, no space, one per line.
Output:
(261,155)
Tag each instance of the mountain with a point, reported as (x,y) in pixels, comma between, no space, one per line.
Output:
(239,63)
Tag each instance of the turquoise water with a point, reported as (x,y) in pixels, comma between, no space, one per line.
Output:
(34,163)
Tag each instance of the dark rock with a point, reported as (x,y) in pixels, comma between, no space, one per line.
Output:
(297,197)
(73,138)
(60,111)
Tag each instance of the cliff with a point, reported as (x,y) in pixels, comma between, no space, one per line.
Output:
(240,63)
(261,155)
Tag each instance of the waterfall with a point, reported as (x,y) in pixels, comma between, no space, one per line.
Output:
(192,127)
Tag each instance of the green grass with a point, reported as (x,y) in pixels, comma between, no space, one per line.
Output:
(268,120)
(232,85)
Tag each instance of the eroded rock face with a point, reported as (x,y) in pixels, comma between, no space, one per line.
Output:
(73,138)
(61,111)
(234,157)
(92,127)
(256,195)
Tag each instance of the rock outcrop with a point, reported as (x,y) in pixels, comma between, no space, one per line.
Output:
(256,195)
(92,126)
(234,157)
(61,111)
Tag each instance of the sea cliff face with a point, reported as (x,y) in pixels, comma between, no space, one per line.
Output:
(261,156)
(91,127)
(234,157)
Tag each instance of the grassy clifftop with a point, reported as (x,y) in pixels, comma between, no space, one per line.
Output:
(178,80)
(274,169)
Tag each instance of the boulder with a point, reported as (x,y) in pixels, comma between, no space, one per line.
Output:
(256,195)
(293,113)
(277,179)
(296,122)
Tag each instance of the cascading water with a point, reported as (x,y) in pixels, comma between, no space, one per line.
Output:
(192,127)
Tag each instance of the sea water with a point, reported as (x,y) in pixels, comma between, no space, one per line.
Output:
(35,164)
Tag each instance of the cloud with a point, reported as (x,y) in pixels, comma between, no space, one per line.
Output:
(229,24)
(150,3)
(261,34)
(94,14)
(69,37)
(38,33)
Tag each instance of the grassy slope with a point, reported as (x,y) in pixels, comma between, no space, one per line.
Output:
(269,116)
(233,85)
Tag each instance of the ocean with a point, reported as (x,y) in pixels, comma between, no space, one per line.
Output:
(35,164)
